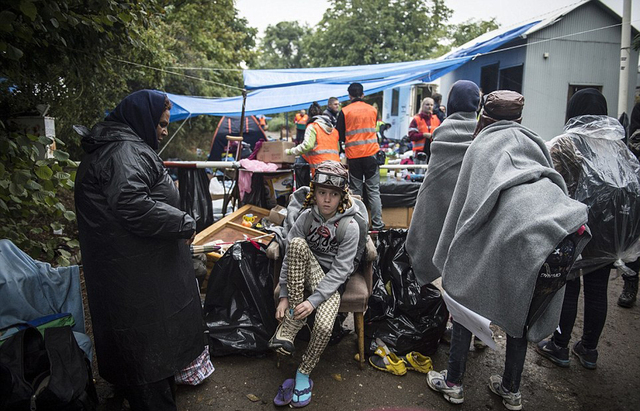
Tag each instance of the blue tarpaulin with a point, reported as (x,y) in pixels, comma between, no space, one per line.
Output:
(282,90)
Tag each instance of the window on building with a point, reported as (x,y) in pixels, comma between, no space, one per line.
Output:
(511,78)
(489,78)
(574,88)
(395,101)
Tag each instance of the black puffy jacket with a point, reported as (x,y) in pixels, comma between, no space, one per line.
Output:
(144,301)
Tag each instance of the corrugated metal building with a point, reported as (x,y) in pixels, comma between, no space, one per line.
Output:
(576,48)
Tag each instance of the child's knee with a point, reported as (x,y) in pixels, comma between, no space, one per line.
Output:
(298,245)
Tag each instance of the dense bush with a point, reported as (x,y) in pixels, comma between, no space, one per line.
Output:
(33,194)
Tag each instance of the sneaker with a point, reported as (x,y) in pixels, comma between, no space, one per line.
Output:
(282,340)
(437,381)
(629,292)
(557,355)
(385,360)
(417,362)
(511,400)
(586,356)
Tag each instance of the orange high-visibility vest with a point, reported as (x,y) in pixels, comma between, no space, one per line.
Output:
(326,147)
(301,121)
(360,130)
(418,145)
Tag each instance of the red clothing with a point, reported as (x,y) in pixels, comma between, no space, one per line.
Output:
(420,124)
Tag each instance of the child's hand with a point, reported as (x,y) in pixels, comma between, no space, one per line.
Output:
(302,310)
(283,306)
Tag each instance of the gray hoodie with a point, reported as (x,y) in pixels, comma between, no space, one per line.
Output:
(336,259)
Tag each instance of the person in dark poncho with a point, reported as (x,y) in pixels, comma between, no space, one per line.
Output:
(589,127)
(141,287)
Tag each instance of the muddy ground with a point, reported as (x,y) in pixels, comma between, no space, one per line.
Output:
(341,385)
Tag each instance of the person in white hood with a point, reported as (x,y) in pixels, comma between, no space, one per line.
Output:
(319,258)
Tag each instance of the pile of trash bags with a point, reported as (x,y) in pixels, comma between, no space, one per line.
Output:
(405,316)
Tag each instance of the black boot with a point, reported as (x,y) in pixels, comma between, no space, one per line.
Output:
(629,291)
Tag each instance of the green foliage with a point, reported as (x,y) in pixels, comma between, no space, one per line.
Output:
(33,191)
(354,32)
(206,41)
(470,29)
(56,52)
(283,45)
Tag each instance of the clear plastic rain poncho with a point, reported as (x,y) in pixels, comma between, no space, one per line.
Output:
(603,174)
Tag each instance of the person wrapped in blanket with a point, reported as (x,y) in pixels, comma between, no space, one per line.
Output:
(508,241)
(317,263)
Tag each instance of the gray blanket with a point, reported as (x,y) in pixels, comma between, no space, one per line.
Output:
(508,212)
(450,143)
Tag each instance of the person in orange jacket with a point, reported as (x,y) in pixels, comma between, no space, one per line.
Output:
(301,125)
(422,126)
(357,128)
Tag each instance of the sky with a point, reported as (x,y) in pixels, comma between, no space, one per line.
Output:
(261,13)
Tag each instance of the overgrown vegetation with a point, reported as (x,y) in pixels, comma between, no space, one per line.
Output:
(33,194)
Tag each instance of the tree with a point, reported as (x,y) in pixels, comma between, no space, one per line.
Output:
(57,52)
(470,29)
(207,43)
(283,45)
(355,32)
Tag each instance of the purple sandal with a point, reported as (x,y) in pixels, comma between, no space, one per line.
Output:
(285,393)
(300,404)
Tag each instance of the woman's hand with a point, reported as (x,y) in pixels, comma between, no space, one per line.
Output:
(282,308)
(303,310)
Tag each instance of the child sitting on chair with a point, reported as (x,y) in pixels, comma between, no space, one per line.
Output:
(318,261)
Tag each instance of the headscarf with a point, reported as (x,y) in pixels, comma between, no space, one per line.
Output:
(500,105)
(141,111)
(586,101)
(463,97)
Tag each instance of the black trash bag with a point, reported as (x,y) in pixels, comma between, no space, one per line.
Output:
(258,194)
(194,196)
(399,193)
(303,174)
(405,316)
(239,310)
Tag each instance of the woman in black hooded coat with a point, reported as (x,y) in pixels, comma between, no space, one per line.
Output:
(142,291)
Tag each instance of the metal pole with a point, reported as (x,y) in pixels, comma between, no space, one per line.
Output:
(625,56)
(286,125)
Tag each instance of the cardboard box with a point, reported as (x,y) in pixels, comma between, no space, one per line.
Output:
(273,152)
(397,217)
(277,215)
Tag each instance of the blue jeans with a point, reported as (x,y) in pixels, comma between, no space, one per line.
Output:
(513,364)
(365,172)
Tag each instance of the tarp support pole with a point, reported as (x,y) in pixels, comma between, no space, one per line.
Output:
(286,125)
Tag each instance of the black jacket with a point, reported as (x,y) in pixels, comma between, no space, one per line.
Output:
(142,292)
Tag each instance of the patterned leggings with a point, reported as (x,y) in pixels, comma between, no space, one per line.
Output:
(304,272)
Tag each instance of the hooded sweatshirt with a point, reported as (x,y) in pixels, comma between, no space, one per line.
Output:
(310,137)
(336,259)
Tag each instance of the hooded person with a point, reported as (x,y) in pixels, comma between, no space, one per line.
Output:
(592,158)
(141,287)
(508,242)
(320,141)
(450,143)
(319,261)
